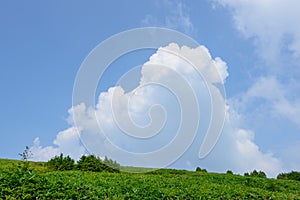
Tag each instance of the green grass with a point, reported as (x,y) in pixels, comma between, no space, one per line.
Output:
(160,184)
(131,169)
(7,165)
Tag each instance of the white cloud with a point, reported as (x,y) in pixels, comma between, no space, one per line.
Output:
(133,113)
(274,96)
(176,17)
(271,23)
(66,142)
(42,153)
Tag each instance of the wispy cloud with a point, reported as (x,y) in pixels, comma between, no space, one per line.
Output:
(274,95)
(174,15)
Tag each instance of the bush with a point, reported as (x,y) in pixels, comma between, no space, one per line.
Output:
(198,169)
(290,176)
(93,163)
(229,172)
(111,163)
(257,174)
(61,163)
(26,154)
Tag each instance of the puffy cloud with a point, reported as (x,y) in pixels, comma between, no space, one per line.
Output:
(66,142)
(147,118)
(42,153)
(250,157)
(236,150)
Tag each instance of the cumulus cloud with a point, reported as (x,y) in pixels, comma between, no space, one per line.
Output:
(66,142)
(147,118)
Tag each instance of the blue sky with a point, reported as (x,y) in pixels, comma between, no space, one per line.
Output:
(44,44)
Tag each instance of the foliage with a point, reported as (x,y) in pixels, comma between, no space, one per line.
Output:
(198,169)
(61,163)
(93,164)
(111,163)
(16,183)
(290,176)
(183,185)
(229,172)
(26,154)
(257,174)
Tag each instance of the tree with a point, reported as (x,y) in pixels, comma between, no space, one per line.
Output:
(262,174)
(111,163)
(198,169)
(95,164)
(229,172)
(293,175)
(26,155)
(61,163)
(257,174)
(246,174)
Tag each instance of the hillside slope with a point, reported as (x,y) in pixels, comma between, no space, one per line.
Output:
(161,184)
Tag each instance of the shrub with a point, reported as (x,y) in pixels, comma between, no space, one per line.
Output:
(262,174)
(111,163)
(26,154)
(198,169)
(61,163)
(293,175)
(229,172)
(93,163)
(255,173)
(246,174)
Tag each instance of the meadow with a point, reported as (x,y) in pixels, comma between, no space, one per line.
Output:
(43,183)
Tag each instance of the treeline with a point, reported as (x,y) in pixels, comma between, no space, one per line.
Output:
(290,176)
(85,163)
(293,175)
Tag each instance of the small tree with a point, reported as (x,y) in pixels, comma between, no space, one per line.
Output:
(262,174)
(26,155)
(95,164)
(61,163)
(229,172)
(259,174)
(198,169)
(111,163)
(90,163)
(293,175)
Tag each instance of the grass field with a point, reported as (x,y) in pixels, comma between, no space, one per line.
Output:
(161,184)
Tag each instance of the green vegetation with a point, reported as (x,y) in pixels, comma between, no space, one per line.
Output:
(198,169)
(259,174)
(42,183)
(94,164)
(290,176)
(86,163)
(26,154)
(61,163)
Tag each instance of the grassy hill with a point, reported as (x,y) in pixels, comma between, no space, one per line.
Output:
(43,183)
